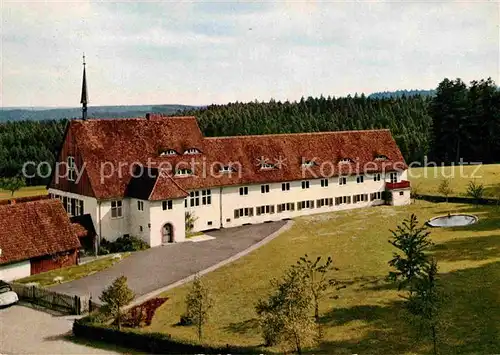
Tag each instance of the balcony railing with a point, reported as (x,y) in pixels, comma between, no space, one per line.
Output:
(397,185)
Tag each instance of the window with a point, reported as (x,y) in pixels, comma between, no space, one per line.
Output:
(380,157)
(71,169)
(324,182)
(116,209)
(244,190)
(305,184)
(401,193)
(268,209)
(308,163)
(227,169)
(393,177)
(267,166)
(342,180)
(183,172)
(305,204)
(376,196)
(286,207)
(209,223)
(166,205)
(191,151)
(206,197)
(243,212)
(324,202)
(167,152)
(360,179)
(345,160)
(285,186)
(140,205)
(360,198)
(376,177)
(185,202)
(68,205)
(194,198)
(140,228)
(264,189)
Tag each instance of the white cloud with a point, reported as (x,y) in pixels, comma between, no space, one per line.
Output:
(200,52)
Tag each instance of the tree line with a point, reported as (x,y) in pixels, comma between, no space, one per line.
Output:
(458,121)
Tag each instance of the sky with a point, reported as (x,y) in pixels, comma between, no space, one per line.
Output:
(204,52)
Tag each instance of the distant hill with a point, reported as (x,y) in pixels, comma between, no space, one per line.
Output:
(43,113)
(400,93)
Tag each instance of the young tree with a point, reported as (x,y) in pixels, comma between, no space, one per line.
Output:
(410,261)
(189,219)
(475,190)
(425,301)
(285,316)
(415,191)
(198,303)
(316,277)
(117,296)
(445,188)
(12,184)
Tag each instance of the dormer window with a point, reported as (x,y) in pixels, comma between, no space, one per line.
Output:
(345,160)
(307,164)
(191,151)
(183,172)
(227,169)
(381,157)
(167,152)
(267,166)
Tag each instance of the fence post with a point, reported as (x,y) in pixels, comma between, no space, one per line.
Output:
(33,292)
(76,305)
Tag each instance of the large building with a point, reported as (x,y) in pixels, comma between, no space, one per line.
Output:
(143,176)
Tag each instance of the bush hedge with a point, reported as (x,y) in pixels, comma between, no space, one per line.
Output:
(122,244)
(155,343)
(457,199)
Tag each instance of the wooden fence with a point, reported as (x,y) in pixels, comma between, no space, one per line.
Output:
(53,300)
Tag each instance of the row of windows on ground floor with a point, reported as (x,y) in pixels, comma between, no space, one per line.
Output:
(307,204)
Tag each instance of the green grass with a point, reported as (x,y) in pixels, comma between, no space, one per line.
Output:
(46,279)
(368,317)
(24,192)
(427,180)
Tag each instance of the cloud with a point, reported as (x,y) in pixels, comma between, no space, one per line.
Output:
(206,52)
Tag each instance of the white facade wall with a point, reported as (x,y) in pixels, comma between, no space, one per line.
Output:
(139,220)
(160,217)
(400,197)
(224,201)
(15,271)
(207,216)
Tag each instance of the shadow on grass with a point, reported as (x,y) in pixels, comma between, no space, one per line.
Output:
(69,337)
(244,327)
(472,248)
(471,318)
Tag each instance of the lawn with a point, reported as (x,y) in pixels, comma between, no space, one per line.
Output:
(46,279)
(368,317)
(24,192)
(427,180)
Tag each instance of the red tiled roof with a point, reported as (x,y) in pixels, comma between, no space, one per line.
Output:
(79,230)
(23,199)
(139,140)
(33,229)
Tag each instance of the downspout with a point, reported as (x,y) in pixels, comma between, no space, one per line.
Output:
(100,230)
(220,206)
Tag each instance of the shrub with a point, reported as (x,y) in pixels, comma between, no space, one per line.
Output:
(142,315)
(475,190)
(122,244)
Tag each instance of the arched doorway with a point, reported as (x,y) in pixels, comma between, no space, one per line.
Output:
(167,233)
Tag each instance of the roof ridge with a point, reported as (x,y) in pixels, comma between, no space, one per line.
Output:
(301,133)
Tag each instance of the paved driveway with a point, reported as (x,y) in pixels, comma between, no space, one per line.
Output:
(158,267)
(24,330)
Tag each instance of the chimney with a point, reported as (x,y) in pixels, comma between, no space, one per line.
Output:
(148,115)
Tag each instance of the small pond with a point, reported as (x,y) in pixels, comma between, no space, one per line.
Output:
(453,220)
